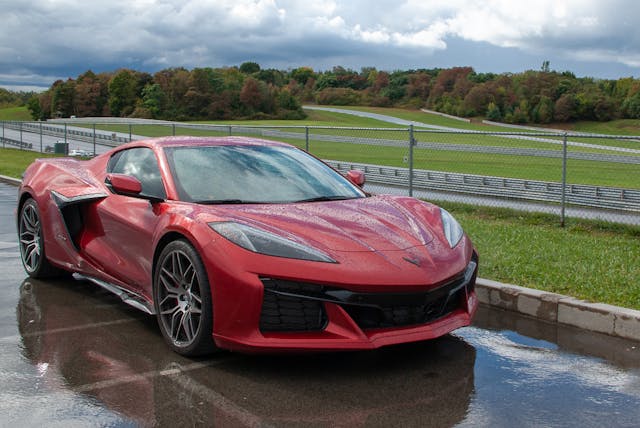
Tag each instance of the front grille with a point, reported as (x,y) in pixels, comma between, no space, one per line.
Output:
(283,311)
(298,306)
(425,310)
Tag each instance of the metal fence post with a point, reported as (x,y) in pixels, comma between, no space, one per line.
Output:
(230,132)
(306,138)
(3,134)
(173,129)
(564,179)
(130,139)
(411,143)
(94,139)
(21,143)
(41,137)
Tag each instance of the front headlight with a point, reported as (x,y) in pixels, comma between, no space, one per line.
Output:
(452,229)
(260,241)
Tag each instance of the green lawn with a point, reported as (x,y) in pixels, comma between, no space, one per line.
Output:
(14,161)
(613,127)
(15,113)
(588,260)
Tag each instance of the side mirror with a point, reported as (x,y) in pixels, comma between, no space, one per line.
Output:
(356,177)
(124,184)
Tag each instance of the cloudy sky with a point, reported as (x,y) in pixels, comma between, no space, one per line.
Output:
(45,40)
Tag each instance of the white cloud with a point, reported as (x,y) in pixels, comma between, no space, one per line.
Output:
(48,37)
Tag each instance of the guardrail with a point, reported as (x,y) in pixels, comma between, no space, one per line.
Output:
(17,143)
(104,139)
(546,191)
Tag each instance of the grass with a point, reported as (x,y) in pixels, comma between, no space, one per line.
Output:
(589,260)
(595,261)
(613,127)
(15,113)
(13,162)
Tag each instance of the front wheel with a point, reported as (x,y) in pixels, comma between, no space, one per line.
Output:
(183,300)
(31,239)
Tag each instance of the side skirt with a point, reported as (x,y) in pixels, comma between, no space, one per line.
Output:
(128,297)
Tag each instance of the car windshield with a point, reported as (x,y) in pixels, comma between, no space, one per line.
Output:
(254,174)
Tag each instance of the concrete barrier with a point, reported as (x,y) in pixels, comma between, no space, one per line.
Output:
(556,308)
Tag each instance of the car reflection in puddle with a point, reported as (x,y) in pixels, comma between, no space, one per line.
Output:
(87,342)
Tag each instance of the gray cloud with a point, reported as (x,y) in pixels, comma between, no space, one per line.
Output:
(41,41)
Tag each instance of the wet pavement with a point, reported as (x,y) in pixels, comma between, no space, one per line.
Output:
(73,355)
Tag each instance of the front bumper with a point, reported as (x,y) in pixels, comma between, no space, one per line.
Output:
(299,316)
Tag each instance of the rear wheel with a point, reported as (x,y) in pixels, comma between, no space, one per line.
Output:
(183,300)
(32,251)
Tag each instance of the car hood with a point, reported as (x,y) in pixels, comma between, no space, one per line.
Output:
(373,224)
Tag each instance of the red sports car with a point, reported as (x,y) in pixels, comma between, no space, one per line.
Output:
(249,245)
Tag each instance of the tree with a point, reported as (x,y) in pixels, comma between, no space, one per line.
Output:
(222,105)
(287,101)
(153,98)
(45,104)
(419,85)
(250,95)
(338,96)
(63,99)
(90,95)
(33,105)
(271,76)
(249,67)
(493,112)
(303,74)
(631,106)
(476,101)
(565,108)
(325,80)
(545,66)
(543,111)
(380,82)
(122,93)
(605,108)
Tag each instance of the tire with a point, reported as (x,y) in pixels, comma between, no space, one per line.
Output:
(32,252)
(182,298)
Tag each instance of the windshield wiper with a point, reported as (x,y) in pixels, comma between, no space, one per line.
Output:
(223,201)
(327,198)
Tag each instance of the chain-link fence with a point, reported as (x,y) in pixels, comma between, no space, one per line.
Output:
(573,175)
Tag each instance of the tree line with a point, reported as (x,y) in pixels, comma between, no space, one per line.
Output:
(14,98)
(250,92)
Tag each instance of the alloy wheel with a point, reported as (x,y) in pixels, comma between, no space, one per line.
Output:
(30,238)
(179,298)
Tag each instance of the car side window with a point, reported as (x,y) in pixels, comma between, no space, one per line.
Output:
(141,163)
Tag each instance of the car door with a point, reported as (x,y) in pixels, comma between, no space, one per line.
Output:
(124,246)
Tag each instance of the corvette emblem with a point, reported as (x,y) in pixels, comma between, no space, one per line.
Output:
(412,261)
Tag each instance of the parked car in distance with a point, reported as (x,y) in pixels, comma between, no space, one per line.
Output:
(80,153)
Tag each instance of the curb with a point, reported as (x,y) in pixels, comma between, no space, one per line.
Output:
(546,306)
(556,308)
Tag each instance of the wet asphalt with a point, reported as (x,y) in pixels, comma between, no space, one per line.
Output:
(71,354)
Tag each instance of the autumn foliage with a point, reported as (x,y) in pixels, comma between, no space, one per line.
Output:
(251,92)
